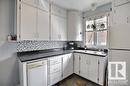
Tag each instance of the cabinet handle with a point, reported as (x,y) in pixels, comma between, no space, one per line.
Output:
(128,19)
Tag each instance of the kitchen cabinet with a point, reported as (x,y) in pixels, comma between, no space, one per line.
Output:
(84,66)
(28,23)
(102,70)
(58,28)
(43,25)
(32,22)
(49,71)
(120,27)
(74,26)
(55,67)
(90,67)
(93,68)
(67,65)
(120,2)
(58,23)
(76,63)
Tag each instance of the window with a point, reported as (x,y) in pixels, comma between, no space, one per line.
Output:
(96,32)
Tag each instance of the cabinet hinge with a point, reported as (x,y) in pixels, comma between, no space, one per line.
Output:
(98,79)
(79,71)
(98,62)
(19,37)
(79,58)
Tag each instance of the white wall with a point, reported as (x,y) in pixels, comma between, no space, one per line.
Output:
(8,64)
(8,57)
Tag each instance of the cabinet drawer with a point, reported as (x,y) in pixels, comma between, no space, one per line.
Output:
(55,77)
(55,68)
(55,60)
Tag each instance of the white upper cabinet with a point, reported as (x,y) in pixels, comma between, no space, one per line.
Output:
(55,33)
(33,22)
(43,25)
(74,26)
(44,5)
(120,2)
(58,24)
(28,23)
(120,28)
(63,29)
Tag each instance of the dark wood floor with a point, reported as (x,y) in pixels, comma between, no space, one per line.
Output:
(75,80)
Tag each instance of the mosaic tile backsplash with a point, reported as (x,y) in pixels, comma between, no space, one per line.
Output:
(38,45)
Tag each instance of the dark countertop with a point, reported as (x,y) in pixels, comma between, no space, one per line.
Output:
(34,55)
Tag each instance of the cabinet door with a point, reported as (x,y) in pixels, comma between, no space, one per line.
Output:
(119,32)
(74,26)
(102,70)
(55,78)
(76,63)
(43,25)
(44,5)
(55,36)
(84,66)
(67,65)
(37,73)
(93,68)
(63,29)
(28,22)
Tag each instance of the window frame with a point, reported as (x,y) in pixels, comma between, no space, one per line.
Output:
(96,30)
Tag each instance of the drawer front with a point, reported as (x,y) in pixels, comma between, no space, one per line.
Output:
(55,77)
(55,68)
(56,60)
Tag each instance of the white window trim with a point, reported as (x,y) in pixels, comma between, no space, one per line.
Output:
(95,38)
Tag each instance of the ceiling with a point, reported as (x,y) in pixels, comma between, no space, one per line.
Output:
(81,5)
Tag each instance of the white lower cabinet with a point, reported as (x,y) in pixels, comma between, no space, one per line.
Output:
(93,68)
(50,71)
(84,66)
(90,67)
(67,65)
(55,70)
(102,70)
(76,63)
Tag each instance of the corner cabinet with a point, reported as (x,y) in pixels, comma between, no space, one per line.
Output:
(74,25)
(90,67)
(32,20)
